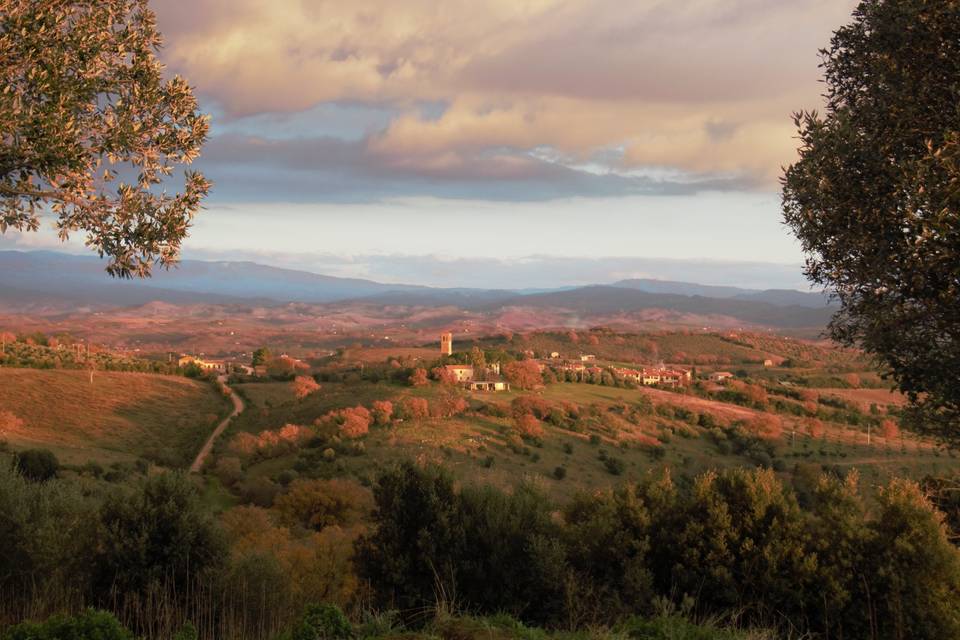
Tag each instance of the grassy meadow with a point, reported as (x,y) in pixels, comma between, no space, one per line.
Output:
(116,417)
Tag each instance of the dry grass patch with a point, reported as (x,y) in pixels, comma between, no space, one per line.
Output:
(119,416)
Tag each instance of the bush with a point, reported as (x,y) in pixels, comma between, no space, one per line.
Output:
(614,466)
(38,465)
(560,473)
(322,622)
(89,625)
(157,533)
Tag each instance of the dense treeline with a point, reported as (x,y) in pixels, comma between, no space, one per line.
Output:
(731,544)
(40,352)
(737,541)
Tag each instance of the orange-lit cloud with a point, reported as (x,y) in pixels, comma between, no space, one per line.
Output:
(704,87)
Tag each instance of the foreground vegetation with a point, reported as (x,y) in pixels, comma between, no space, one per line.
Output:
(735,545)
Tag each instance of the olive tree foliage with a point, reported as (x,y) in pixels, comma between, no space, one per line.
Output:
(91,131)
(875,195)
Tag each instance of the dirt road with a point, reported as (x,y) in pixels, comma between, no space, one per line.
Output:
(238,407)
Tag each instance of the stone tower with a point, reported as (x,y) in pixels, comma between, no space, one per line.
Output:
(446,344)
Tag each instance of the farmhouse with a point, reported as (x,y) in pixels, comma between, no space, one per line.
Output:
(720,376)
(587,357)
(206,365)
(461,372)
(671,377)
(488,385)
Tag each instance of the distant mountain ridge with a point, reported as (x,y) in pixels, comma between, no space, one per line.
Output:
(42,279)
(782,297)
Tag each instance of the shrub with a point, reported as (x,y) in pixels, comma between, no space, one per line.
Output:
(528,426)
(89,625)
(414,408)
(38,465)
(418,378)
(303,386)
(614,466)
(315,504)
(355,422)
(157,533)
(560,473)
(322,622)
(229,470)
(382,411)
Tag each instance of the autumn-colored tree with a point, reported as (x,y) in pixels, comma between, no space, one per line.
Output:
(811,407)
(414,408)
(419,378)
(315,504)
(573,337)
(852,379)
(528,426)
(303,386)
(523,405)
(447,407)
(523,374)
(84,104)
(766,425)
(889,429)
(282,367)
(444,376)
(593,340)
(243,444)
(813,427)
(291,566)
(355,422)
(382,411)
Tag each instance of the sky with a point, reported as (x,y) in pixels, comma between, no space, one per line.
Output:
(500,142)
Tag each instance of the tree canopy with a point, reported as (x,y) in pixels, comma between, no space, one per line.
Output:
(875,196)
(91,132)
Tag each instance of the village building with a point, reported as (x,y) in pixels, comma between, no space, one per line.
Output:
(488,385)
(217,366)
(720,376)
(446,344)
(768,363)
(648,377)
(554,355)
(461,372)
(587,357)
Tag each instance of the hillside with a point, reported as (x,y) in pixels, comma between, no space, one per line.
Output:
(598,300)
(64,284)
(597,433)
(118,417)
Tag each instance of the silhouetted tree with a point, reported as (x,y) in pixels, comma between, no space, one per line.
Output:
(874,201)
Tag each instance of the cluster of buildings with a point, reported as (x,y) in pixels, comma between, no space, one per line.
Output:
(217,366)
(465,375)
(659,375)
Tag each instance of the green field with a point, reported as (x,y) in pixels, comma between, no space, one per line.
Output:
(480,447)
(118,417)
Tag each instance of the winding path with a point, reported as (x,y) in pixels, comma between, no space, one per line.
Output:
(238,407)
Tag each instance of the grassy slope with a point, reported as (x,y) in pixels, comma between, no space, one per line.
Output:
(476,447)
(119,417)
